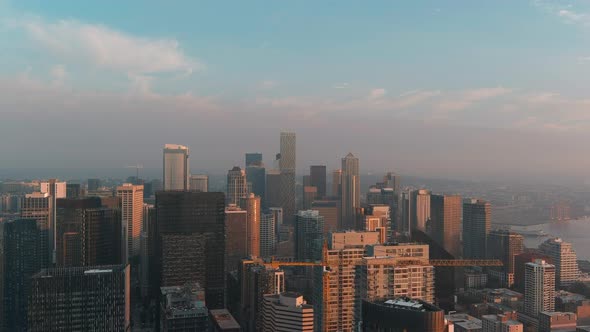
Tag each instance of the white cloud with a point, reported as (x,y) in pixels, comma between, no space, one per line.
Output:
(467,98)
(377,93)
(104,47)
(341,85)
(564,11)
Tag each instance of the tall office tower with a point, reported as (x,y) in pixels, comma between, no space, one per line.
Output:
(423,211)
(335,288)
(93,184)
(445,215)
(183,308)
(237,186)
(277,212)
(392,180)
(256,177)
(252,206)
(56,190)
(337,183)
(519,264)
(317,174)
(73,190)
(287,169)
(87,233)
(351,190)
(131,219)
(330,210)
(539,288)
(288,152)
(391,271)
(309,229)
(146,248)
(254,158)
(20,259)
(236,244)
(191,224)
(278,193)
(404,213)
(199,182)
(402,314)
(176,167)
(477,221)
(92,298)
(257,280)
(40,207)
(286,312)
(268,234)
(309,196)
(502,322)
(505,246)
(565,260)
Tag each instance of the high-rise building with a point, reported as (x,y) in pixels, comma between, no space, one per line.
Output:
(309,195)
(20,259)
(252,206)
(288,152)
(278,193)
(337,183)
(73,190)
(330,210)
(423,210)
(189,225)
(287,312)
(256,177)
(519,265)
(93,184)
(39,206)
(176,167)
(254,158)
(131,219)
(257,280)
(477,221)
(335,293)
(268,234)
(505,246)
(236,244)
(401,314)
(309,228)
(317,175)
(277,212)
(557,321)
(393,181)
(87,233)
(223,321)
(287,166)
(237,186)
(351,190)
(183,308)
(506,322)
(539,288)
(199,182)
(565,260)
(445,215)
(92,298)
(56,190)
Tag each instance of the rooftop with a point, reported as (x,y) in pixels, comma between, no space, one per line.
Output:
(224,319)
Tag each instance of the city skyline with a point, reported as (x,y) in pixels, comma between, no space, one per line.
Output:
(190,78)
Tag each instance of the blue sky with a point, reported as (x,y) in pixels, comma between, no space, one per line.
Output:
(517,66)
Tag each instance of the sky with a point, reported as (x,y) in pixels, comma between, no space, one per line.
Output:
(460,89)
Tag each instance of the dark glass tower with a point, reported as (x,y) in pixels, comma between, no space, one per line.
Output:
(477,222)
(21,258)
(317,174)
(253,159)
(190,242)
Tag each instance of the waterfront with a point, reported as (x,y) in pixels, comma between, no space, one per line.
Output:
(576,232)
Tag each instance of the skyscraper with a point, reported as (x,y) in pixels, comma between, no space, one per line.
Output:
(191,225)
(176,167)
(183,308)
(477,215)
(564,258)
(309,195)
(423,210)
(93,184)
(309,228)
(317,174)
(56,190)
(39,206)
(131,219)
(351,190)
(252,206)
(268,234)
(237,187)
(288,151)
(286,312)
(539,288)
(505,246)
(337,183)
(92,298)
(287,166)
(278,193)
(253,159)
(20,259)
(236,244)
(256,177)
(199,182)
(392,180)
(445,216)
(330,210)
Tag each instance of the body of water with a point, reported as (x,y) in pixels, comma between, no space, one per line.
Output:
(576,232)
